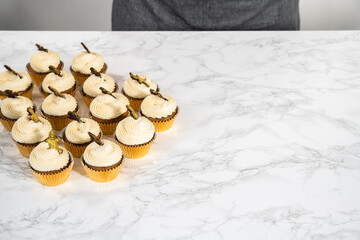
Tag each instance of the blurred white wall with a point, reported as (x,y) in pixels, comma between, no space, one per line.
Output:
(330,14)
(96,14)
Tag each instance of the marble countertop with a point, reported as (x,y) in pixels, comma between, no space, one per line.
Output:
(266,146)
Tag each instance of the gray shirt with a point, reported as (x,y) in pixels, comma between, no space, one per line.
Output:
(184,15)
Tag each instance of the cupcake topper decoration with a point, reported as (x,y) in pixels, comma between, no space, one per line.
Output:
(156,93)
(94,72)
(139,79)
(55,71)
(84,46)
(75,117)
(53,141)
(95,139)
(11,94)
(56,92)
(33,115)
(12,71)
(104,91)
(41,48)
(132,112)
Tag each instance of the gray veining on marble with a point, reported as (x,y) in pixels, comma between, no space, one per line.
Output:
(266,146)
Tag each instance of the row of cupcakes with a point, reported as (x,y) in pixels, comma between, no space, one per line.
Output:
(51,163)
(39,68)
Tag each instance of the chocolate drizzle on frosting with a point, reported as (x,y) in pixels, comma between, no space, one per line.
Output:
(32,114)
(41,48)
(132,112)
(11,94)
(55,70)
(85,47)
(75,117)
(95,139)
(12,71)
(56,92)
(139,79)
(104,91)
(94,72)
(156,93)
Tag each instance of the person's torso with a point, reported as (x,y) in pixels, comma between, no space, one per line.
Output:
(205,15)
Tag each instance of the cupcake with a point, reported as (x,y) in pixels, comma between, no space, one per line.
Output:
(29,130)
(56,106)
(50,163)
(108,110)
(102,159)
(161,110)
(12,108)
(39,64)
(82,63)
(18,82)
(135,135)
(75,135)
(64,82)
(92,86)
(136,88)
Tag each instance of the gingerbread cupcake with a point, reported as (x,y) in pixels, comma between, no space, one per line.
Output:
(102,159)
(92,86)
(50,163)
(29,130)
(18,82)
(12,108)
(38,67)
(64,82)
(108,110)
(83,61)
(160,109)
(135,135)
(136,88)
(56,106)
(75,135)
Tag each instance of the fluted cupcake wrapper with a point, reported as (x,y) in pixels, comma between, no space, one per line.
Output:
(163,125)
(108,126)
(39,77)
(58,122)
(135,151)
(7,123)
(88,99)
(105,175)
(76,149)
(71,91)
(56,178)
(25,149)
(81,77)
(26,93)
(135,103)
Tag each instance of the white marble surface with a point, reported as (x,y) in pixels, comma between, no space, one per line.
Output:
(266,146)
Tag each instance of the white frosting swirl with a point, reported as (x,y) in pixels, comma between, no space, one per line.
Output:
(102,156)
(132,131)
(29,132)
(14,108)
(40,61)
(92,85)
(83,61)
(136,90)
(45,159)
(13,82)
(77,132)
(58,106)
(156,107)
(63,83)
(106,107)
